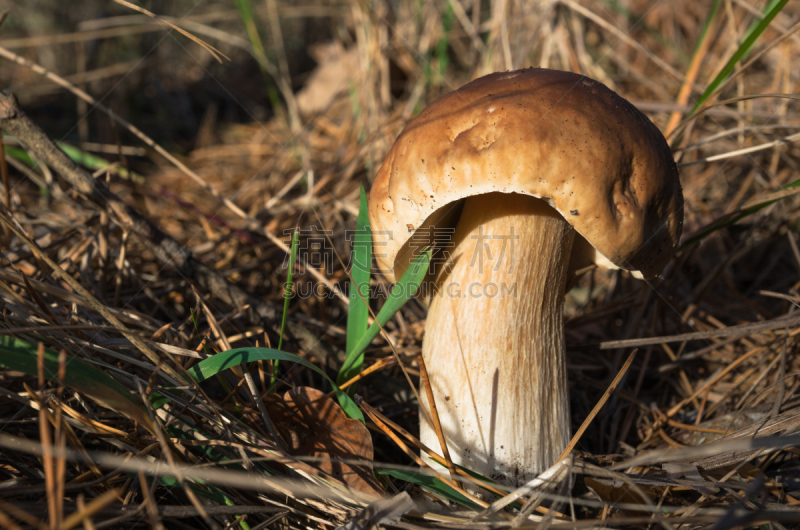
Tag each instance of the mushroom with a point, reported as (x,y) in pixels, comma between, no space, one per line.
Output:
(531,175)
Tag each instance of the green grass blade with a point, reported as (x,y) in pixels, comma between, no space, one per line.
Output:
(731,218)
(743,50)
(95,163)
(246,13)
(287,295)
(767,8)
(402,293)
(431,483)
(717,224)
(712,12)
(358,313)
(442,59)
(78,156)
(21,155)
(222,361)
(22,356)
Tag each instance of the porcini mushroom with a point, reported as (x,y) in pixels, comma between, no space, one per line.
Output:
(538,172)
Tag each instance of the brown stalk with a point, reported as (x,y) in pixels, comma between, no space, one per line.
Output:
(684,379)
(691,76)
(210,49)
(152,510)
(434,413)
(80,504)
(598,406)
(267,454)
(378,365)
(370,412)
(6,522)
(672,443)
(98,29)
(123,247)
(629,415)
(426,449)
(60,437)
(4,173)
(702,406)
(68,433)
(39,301)
(93,424)
(730,331)
(262,375)
(20,514)
(47,446)
(97,504)
(166,450)
(709,383)
(694,427)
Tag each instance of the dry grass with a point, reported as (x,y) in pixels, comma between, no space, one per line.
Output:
(717,356)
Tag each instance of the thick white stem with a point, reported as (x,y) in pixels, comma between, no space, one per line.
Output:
(494,342)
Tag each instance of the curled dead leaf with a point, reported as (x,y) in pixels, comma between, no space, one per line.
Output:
(336,68)
(314,425)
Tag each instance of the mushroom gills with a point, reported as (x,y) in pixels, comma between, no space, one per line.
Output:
(494,343)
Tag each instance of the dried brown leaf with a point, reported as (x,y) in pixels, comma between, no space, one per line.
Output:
(337,68)
(313,425)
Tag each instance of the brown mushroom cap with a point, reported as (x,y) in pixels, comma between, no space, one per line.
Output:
(555,135)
